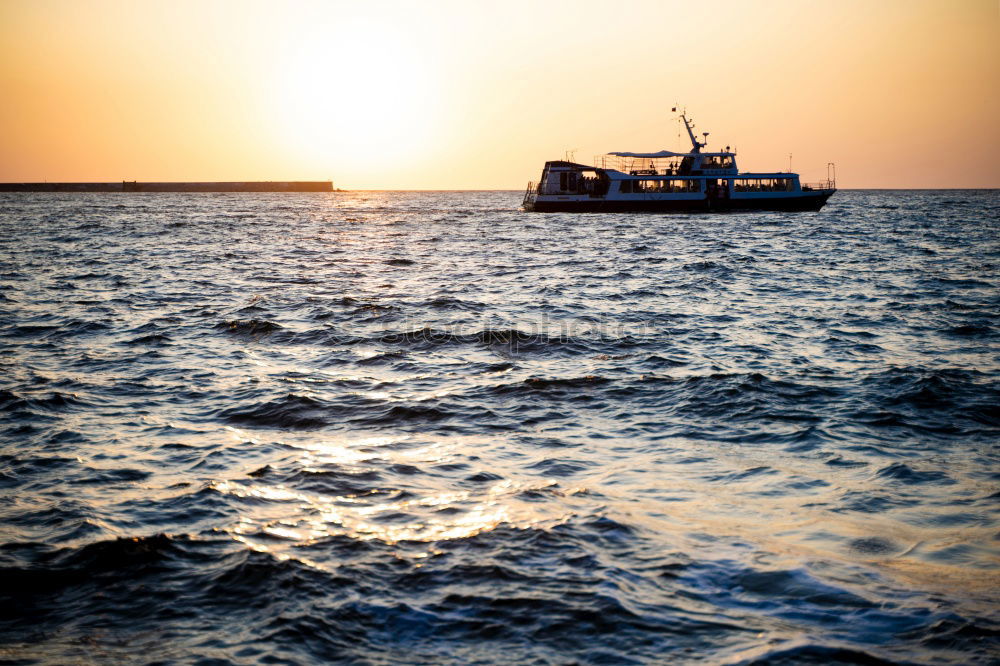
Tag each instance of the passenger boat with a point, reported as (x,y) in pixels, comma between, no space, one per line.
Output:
(666,181)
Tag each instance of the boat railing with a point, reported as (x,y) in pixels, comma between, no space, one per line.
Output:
(530,194)
(820,185)
(648,166)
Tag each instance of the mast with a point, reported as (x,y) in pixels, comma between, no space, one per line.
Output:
(696,145)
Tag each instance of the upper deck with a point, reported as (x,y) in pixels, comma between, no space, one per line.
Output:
(668,163)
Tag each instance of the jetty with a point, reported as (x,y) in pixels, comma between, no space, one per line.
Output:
(135,186)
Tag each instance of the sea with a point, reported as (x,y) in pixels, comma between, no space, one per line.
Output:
(431,428)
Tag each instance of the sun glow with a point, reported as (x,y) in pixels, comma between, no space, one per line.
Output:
(401,95)
(361,96)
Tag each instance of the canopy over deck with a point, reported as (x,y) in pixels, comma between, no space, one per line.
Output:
(668,153)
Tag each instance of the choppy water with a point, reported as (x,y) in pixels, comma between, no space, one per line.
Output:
(429,428)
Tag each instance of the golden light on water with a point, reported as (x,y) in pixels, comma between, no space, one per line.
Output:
(316,516)
(287,517)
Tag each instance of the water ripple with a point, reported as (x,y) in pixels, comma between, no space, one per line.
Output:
(426,427)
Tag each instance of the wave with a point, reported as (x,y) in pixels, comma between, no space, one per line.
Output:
(46,403)
(971,331)
(908,475)
(946,401)
(553,386)
(151,339)
(510,340)
(810,653)
(295,412)
(335,481)
(249,327)
(52,570)
(450,303)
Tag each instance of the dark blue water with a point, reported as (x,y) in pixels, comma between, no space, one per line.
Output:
(422,428)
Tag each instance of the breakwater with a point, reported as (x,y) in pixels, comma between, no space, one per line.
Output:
(134,186)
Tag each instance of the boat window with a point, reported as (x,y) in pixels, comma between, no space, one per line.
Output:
(660,186)
(717,162)
(763,185)
(672,186)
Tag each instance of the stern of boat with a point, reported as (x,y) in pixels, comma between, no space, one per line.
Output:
(818,193)
(530,195)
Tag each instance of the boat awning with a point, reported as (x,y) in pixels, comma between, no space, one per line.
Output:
(669,153)
(662,153)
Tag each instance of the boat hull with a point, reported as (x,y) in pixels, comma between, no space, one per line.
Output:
(804,202)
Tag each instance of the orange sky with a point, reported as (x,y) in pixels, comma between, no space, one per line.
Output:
(456,95)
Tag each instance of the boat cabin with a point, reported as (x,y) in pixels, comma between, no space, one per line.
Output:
(668,180)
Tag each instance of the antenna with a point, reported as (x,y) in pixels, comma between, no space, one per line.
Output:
(789,162)
(571,154)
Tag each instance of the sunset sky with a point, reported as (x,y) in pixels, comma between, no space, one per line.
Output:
(461,95)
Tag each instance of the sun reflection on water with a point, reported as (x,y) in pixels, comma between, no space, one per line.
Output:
(280,516)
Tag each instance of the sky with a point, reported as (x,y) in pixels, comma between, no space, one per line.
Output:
(478,95)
